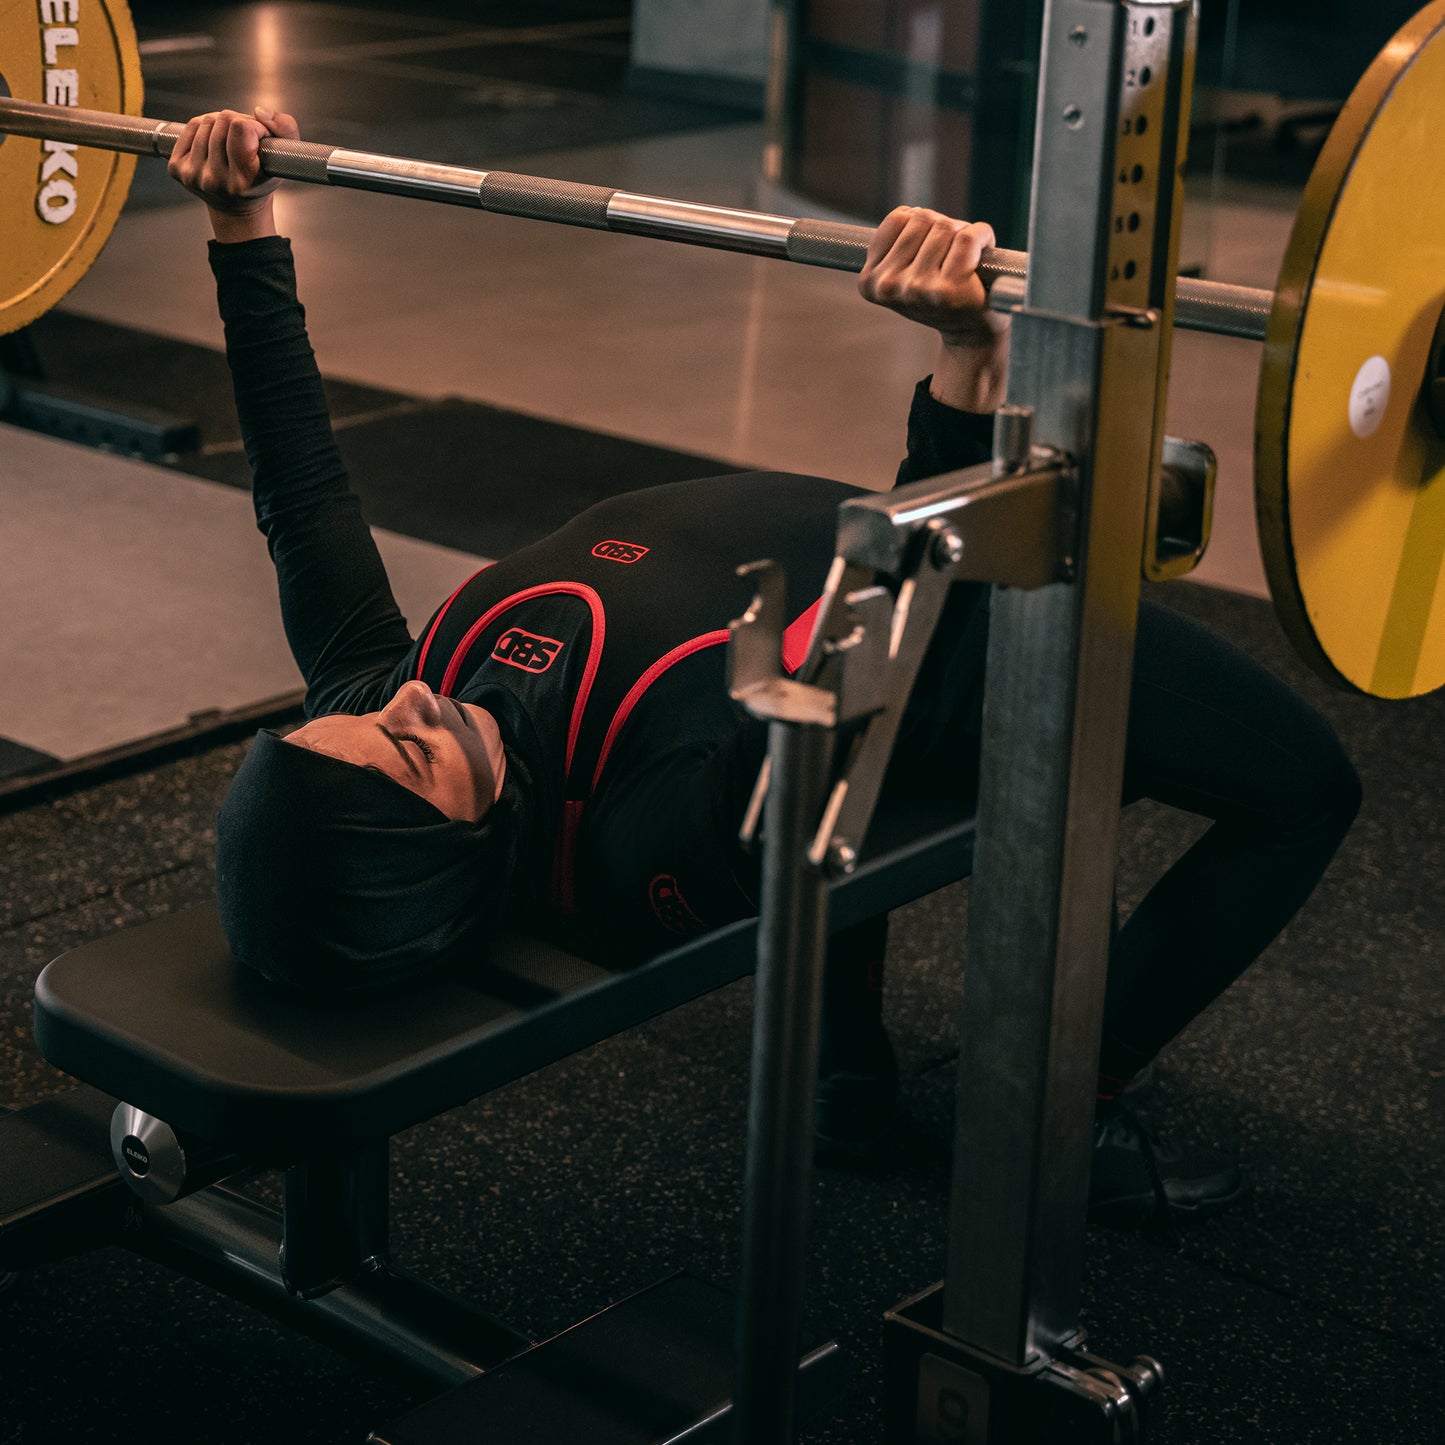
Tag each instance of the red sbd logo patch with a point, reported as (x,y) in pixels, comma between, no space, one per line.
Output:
(671,907)
(627,552)
(526,650)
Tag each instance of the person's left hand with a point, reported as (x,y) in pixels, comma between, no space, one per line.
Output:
(924,265)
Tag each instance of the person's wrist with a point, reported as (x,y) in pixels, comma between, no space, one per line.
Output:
(971,373)
(982,336)
(229,227)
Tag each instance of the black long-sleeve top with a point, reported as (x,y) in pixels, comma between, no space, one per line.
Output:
(598,649)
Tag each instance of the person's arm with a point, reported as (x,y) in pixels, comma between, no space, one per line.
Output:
(924,266)
(341,620)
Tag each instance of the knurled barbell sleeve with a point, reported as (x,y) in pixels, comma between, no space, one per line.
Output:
(1222,309)
(294,160)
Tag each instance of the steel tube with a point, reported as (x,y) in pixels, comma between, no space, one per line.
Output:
(792,940)
(423,1337)
(1056,693)
(750,231)
(1210,306)
(394,176)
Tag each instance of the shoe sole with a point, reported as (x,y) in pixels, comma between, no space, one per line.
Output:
(1138,1209)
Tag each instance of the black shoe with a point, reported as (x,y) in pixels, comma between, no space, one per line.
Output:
(855,1108)
(1141,1177)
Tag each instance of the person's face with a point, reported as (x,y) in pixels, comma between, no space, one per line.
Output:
(447,752)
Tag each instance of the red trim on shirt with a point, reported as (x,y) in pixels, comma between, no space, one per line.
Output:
(634,694)
(594,651)
(432,631)
(795,649)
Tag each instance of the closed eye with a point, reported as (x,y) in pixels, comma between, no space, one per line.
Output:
(426,750)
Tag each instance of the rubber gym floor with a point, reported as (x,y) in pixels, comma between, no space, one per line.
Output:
(1307,1313)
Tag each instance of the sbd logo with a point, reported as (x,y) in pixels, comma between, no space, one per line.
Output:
(526,650)
(671,908)
(627,552)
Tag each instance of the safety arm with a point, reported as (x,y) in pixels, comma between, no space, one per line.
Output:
(1005,522)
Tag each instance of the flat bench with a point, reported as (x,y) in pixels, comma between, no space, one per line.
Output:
(162,1017)
(165,1029)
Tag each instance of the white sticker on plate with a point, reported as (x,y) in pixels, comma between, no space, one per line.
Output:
(1369,397)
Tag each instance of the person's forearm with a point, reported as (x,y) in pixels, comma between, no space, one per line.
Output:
(972,375)
(279,396)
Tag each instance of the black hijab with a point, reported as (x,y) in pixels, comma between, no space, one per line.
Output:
(332,878)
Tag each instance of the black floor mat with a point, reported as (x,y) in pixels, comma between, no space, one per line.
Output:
(478,478)
(18,761)
(1306,1315)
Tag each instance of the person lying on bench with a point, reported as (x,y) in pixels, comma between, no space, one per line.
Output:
(559,734)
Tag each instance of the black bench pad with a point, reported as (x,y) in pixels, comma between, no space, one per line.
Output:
(162,1017)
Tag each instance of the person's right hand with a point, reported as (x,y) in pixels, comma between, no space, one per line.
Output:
(217,157)
(924,265)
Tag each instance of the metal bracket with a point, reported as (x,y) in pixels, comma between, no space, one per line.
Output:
(1181,510)
(755,649)
(1007,521)
(939,1388)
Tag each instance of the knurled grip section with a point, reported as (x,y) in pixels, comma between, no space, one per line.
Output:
(295,160)
(570,202)
(828,243)
(101,128)
(1222,309)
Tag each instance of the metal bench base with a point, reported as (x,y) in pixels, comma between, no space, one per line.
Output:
(650,1370)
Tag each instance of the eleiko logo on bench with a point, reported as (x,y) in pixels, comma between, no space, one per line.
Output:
(627,552)
(518,648)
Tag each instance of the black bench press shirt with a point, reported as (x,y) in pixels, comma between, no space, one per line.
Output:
(599,649)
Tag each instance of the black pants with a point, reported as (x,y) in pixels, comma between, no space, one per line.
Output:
(1214,733)
(1211,732)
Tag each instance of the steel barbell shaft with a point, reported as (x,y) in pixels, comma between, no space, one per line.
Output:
(1198,305)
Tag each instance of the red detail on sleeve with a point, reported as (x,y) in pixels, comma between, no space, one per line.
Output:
(529,651)
(635,692)
(624,552)
(795,650)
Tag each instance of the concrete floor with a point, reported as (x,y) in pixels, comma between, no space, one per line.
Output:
(167,610)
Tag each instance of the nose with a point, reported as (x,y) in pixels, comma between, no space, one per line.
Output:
(413,703)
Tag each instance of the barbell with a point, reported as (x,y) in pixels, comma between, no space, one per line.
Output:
(1350,425)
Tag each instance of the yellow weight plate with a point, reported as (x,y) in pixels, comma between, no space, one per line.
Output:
(58,204)
(1349,467)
